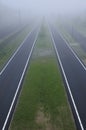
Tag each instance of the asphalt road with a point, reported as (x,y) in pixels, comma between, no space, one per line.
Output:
(5,42)
(12,77)
(77,36)
(74,76)
(8,30)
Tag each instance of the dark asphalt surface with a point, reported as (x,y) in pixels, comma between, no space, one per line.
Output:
(11,76)
(76,77)
(6,31)
(5,42)
(77,36)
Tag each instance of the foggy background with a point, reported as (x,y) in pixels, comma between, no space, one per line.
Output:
(18,12)
(47,6)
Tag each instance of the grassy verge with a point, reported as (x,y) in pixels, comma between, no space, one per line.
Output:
(75,45)
(81,29)
(43,103)
(80,25)
(7,51)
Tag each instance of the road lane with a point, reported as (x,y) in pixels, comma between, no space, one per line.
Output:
(75,79)
(8,30)
(12,77)
(77,36)
(7,63)
(13,36)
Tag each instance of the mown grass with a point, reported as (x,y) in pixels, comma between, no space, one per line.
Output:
(43,103)
(7,51)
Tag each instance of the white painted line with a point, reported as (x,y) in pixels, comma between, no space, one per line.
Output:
(15,53)
(9,35)
(73,52)
(80,122)
(19,84)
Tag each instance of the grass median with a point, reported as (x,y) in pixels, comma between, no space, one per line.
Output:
(43,103)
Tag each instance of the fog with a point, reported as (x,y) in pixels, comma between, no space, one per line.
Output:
(17,12)
(47,7)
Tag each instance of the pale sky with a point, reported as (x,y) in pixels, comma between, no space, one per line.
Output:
(48,6)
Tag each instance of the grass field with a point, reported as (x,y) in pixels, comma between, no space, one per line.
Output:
(43,103)
(7,51)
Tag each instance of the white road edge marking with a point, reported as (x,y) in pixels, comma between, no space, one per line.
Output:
(81,125)
(73,52)
(15,52)
(20,82)
(10,34)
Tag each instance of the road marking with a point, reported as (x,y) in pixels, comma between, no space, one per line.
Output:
(10,35)
(73,52)
(20,82)
(15,53)
(76,110)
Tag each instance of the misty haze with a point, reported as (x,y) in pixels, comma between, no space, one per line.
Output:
(42,65)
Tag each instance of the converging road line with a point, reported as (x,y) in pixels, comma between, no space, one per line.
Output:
(15,53)
(11,34)
(76,110)
(22,76)
(73,52)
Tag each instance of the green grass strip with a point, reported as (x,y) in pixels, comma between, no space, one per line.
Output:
(43,103)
